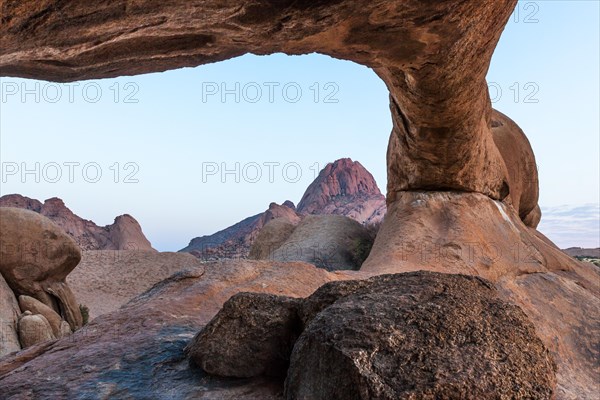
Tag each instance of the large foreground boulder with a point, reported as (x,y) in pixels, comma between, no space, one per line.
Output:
(35,258)
(416,336)
(420,336)
(136,352)
(252,335)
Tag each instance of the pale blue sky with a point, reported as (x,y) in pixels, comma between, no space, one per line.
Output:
(172,130)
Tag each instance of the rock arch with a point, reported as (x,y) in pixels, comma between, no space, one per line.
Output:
(433,56)
(455,181)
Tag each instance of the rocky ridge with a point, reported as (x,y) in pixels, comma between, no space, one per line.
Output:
(343,187)
(124,234)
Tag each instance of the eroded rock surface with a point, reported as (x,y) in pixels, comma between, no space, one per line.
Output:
(332,242)
(419,336)
(35,258)
(252,335)
(124,234)
(9,314)
(137,351)
(34,329)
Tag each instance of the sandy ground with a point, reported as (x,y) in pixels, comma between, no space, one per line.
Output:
(107,279)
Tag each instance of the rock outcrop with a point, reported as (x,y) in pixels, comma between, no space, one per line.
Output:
(35,258)
(137,351)
(124,234)
(416,335)
(343,187)
(346,188)
(34,329)
(332,242)
(105,280)
(36,307)
(252,335)
(235,242)
(9,315)
(146,336)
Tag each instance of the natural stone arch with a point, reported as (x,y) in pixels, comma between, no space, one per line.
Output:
(433,57)
(446,174)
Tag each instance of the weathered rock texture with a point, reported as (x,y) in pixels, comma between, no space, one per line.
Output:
(137,351)
(417,335)
(252,335)
(332,242)
(27,303)
(9,315)
(35,258)
(104,280)
(34,329)
(433,57)
(345,187)
(236,241)
(124,234)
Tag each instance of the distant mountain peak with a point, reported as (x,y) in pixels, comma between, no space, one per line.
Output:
(344,187)
(124,234)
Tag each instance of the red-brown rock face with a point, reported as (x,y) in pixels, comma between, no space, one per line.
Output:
(450,178)
(433,56)
(124,234)
(236,240)
(346,188)
(343,187)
